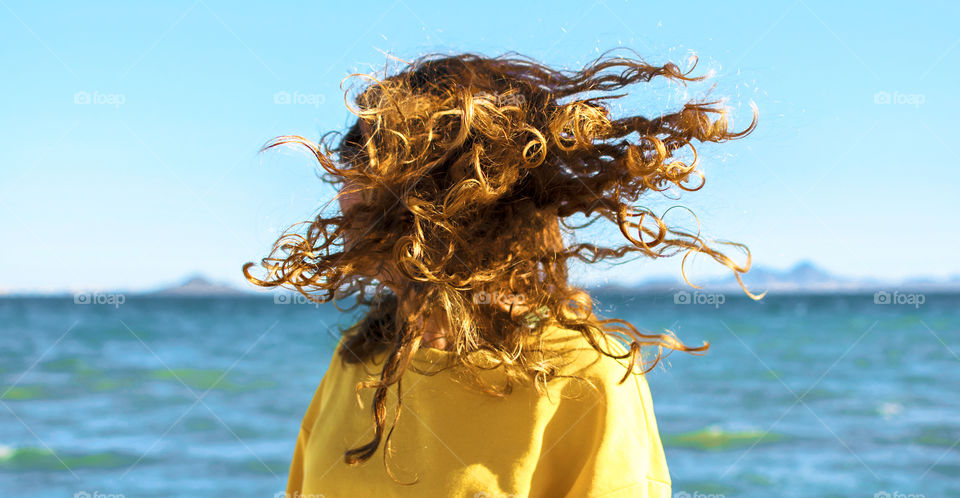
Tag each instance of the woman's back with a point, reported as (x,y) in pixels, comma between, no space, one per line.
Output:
(587,435)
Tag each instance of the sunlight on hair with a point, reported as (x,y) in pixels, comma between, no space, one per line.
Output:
(471,169)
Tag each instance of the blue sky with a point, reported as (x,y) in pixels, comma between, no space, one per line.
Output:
(129,132)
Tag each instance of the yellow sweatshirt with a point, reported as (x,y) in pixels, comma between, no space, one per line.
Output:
(455,441)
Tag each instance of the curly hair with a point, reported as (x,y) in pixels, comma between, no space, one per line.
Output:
(470,170)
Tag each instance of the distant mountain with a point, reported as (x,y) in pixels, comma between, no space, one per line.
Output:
(802,277)
(198,286)
(803,274)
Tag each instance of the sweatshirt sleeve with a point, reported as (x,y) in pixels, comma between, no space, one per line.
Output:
(603,442)
(297,472)
(295,478)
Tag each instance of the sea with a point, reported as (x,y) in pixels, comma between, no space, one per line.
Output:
(108,396)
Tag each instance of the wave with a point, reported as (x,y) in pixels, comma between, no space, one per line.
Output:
(22,459)
(714,438)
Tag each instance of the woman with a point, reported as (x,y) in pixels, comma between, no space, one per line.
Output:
(478,370)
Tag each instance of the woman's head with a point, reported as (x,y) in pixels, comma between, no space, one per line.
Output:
(457,180)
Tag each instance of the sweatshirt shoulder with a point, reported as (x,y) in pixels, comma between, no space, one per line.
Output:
(576,356)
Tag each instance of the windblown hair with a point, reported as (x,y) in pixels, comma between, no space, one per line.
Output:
(470,170)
